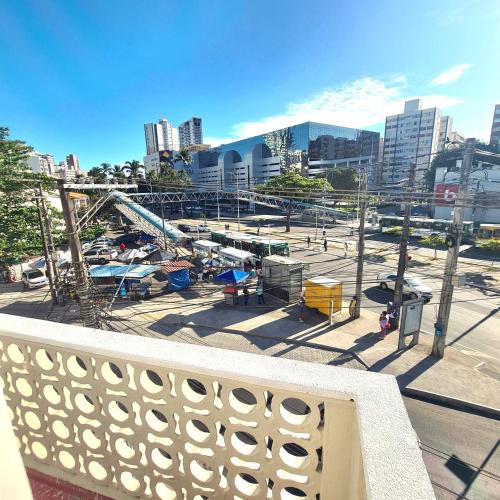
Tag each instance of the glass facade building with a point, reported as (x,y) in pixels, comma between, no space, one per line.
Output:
(308,148)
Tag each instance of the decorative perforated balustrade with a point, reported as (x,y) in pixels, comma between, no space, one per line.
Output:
(130,417)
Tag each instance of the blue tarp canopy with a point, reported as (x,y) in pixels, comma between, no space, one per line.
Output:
(178,280)
(111,270)
(231,276)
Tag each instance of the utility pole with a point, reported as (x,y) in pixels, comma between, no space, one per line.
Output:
(46,252)
(238,200)
(453,243)
(361,251)
(403,245)
(50,239)
(87,309)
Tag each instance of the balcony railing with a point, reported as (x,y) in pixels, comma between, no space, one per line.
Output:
(128,417)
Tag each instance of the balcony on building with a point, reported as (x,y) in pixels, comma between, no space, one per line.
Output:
(98,414)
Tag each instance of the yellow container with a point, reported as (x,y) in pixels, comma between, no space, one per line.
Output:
(320,292)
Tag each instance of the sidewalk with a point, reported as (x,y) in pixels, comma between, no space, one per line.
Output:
(455,377)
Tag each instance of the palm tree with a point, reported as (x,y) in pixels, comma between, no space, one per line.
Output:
(134,168)
(184,156)
(117,172)
(106,168)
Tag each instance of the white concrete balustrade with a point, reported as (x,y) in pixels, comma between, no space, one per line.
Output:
(133,417)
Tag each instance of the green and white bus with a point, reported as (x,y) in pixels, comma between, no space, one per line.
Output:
(421,227)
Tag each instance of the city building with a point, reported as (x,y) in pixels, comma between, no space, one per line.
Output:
(308,148)
(161,136)
(410,137)
(495,128)
(456,138)
(41,163)
(73,163)
(445,131)
(190,133)
(483,189)
(196,148)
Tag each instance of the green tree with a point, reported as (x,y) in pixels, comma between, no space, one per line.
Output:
(106,168)
(134,168)
(97,173)
(19,225)
(490,245)
(292,185)
(184,157)
(117,172)
(435,241)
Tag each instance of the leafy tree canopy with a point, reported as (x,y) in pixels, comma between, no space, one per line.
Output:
(343,179)
(19,225)
(293,184)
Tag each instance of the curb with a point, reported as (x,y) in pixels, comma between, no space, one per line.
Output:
(448,401)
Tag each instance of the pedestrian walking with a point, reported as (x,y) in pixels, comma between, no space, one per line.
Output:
(392,315)
(324,233)
(246,293)
(346,248)
(302,306)
(122,247)
(308,241)
(383,322)
(258,231)
(260,293)
(352,231)
(325,245)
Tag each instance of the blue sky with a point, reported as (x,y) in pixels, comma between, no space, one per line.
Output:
(84,76)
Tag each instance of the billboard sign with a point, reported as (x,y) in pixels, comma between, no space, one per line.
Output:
(446,193)
(166,156)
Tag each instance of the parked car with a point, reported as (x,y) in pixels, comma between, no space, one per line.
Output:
(203,228)
(100,255)
(412,285)
(127,238)
(184,228)
(103,239)
(33,279)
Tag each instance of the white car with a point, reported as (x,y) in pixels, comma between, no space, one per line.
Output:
(203,228)
(103,239)
(412,285)
(100,255)
(33,278)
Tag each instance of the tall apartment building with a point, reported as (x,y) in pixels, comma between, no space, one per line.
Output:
(41,163)
(411,136)
(445,132)
(190,132)
(73,163)
(495,128)
(160,136)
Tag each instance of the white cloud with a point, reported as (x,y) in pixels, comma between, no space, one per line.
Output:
(359,104)
(450,75)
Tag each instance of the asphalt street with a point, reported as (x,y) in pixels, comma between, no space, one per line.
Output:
(475,313)
(461,451)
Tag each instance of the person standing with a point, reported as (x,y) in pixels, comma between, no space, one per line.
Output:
(325,245)
(260,292)
(308,241)
(346,248)
(122,247)
(383,322)
(246,293)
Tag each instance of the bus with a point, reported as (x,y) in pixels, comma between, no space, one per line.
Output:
(488,232)
(421,227)
(258,245)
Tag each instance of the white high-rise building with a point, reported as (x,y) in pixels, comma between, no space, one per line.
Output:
(160,136)
(410,137)
(40,163)
(190,132)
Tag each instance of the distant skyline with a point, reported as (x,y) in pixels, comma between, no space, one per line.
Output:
(84,77)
